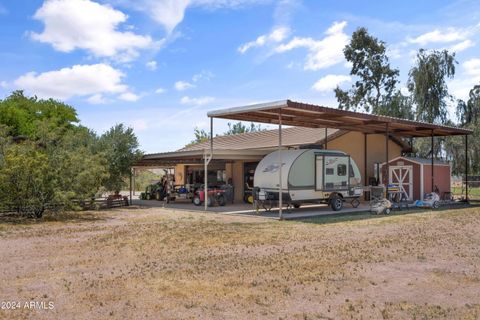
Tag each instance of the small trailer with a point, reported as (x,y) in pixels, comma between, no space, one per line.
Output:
(309,176)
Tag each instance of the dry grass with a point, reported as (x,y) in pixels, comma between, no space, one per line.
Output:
(161,264)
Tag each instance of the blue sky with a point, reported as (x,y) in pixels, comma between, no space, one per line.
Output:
(160,65)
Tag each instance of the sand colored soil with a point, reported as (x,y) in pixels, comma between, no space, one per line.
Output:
(163,264)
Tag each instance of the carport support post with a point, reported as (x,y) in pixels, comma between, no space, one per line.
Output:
(466,167)
(207,160)
(134,173)
(431,150)
(326,138)
(280,191)
(365,158)
(131,176)
(386,159)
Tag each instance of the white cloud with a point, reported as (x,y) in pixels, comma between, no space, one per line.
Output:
(233,4)
(437,35)
(140,124)
(97,98)
(4,84)
(170,13)
(183,85)
(472,67)
(469,77)
(330,82)
(277,35)
(321,53)
(205,74)
(83,24)
(461,46)
(196,101)
(129,96)
(151,65)
(160,90)
(79,80)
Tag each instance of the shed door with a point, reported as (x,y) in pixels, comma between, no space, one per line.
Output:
(402,176)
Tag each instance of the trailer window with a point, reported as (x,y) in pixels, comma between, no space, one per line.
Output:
(342,170)
(329,171)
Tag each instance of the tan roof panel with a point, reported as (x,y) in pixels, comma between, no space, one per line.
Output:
(291,137)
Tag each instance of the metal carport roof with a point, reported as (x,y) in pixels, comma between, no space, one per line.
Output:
(308,115)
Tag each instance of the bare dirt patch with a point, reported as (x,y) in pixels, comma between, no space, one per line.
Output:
(161,264)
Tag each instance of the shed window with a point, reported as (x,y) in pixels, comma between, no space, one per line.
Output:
(342,170)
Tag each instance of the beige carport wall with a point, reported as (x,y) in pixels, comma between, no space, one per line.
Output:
(286,112)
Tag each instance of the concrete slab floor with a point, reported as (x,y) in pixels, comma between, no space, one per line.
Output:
(305,211)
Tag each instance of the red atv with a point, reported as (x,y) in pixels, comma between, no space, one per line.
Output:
(215,196)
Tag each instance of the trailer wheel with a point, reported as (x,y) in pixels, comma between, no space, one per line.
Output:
(336,203)
(388,210)
(196,200)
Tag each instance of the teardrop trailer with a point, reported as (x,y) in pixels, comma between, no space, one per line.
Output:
(308,176)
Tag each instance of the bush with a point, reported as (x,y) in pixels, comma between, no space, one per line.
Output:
(26,181)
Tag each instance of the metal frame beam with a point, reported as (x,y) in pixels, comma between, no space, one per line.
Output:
(466,167)
(386,159)
(432,164)
(280,189)
(207,161)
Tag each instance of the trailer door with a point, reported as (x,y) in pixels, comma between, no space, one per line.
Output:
(318,172)
(336,176)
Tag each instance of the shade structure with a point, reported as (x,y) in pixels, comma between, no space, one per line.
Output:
(315,116)
(291,113)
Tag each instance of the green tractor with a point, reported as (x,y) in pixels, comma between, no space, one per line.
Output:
(154,191)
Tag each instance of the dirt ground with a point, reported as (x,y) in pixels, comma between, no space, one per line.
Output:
(162,264)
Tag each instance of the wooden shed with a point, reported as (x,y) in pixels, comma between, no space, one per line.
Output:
(414,176)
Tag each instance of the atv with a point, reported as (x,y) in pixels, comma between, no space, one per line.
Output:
(215,196)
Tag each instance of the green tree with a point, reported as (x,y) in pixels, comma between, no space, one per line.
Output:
(428,84)
(79,169)
(469,113)
(5,140)
(376,79)
(121,149)
(398,105)
(144,178)
(26,181)
(239,127)
(200,136)
(49,161)
(22,114)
